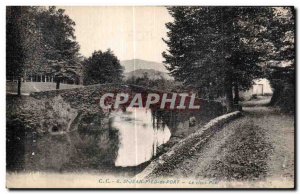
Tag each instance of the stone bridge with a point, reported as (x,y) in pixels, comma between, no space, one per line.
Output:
(62,126)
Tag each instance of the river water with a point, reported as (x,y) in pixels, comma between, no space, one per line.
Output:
(124,140)
(131,138)
(140,134)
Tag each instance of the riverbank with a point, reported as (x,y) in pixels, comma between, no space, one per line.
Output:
(256,147)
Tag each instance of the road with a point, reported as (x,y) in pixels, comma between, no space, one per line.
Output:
(256,147)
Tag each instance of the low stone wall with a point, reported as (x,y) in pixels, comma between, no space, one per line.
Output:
(185,147)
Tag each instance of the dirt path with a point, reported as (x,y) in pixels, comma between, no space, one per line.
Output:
(256,147)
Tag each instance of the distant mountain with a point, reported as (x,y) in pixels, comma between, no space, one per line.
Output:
(134,64)
(152,74)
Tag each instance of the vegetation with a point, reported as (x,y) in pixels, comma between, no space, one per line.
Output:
(156,83)
(41,41)
(281,69)
(218,50)
(15,53)
(102,67)
(61,51)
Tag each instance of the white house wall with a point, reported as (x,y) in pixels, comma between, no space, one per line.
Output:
(256,88)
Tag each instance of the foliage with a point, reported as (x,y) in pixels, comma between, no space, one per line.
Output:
(156,84)
(15,52)
(281,69)
(42,41)
(214,49)
(61,48)
(102,67)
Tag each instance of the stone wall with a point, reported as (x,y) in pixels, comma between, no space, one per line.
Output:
(185,147)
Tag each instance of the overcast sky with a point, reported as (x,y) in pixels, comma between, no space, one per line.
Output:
(131,32)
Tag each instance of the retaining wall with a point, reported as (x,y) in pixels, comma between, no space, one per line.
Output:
(185,147)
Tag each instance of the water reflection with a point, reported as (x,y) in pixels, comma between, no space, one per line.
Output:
(125,138)
(140,133)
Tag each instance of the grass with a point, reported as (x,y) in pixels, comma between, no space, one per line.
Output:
(29,87)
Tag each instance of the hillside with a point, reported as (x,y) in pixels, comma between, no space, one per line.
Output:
(152,74)
(134,64)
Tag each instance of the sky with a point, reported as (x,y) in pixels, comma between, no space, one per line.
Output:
(130,32)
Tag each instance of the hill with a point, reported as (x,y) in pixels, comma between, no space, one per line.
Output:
(152,74)
(134,64)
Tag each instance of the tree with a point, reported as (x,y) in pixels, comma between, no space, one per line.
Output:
(61,49)
(15,52)
(41,41)
(34,46)
(216,49)
(281,66)
(102,67)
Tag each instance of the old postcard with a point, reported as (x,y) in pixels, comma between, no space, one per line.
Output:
(150,97)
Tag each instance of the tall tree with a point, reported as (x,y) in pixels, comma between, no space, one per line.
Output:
(35,46)
(15,52)
(41,41)
(215,49)
(102,67)
(281,65)
(61,49)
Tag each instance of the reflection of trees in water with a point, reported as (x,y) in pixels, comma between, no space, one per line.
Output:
(94,145)
(98,143)
(161,118)
(15,148)
(178,121)
(89,147)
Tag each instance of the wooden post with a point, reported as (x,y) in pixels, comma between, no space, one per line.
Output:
(229,96)
(58,83)
(19,85)
(236,94)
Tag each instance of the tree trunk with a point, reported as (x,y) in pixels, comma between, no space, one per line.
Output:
(57,83)
(236,94)
(277,92)
(19,85)
(229,96)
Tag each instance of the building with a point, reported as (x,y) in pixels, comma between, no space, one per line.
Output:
(260,87)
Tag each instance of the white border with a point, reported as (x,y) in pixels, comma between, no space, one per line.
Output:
(152,2)
(110,3)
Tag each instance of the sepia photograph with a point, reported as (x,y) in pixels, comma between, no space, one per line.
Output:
(150,97)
